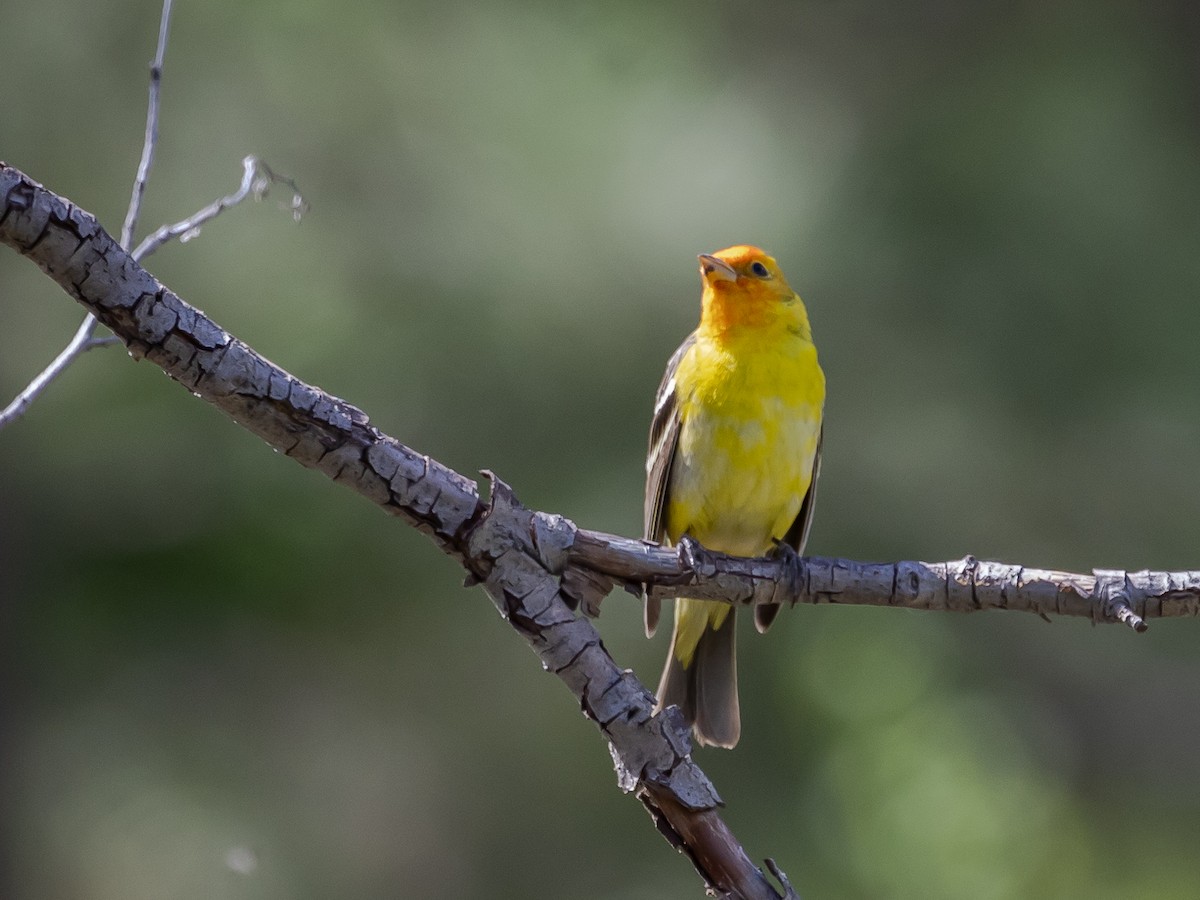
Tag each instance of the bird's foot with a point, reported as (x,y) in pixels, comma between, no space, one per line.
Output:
(793,568)
(695,557)
(786,589)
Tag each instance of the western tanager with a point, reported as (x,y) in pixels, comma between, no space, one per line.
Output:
(735,449)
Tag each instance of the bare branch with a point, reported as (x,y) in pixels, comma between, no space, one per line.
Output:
(257,179)
(964,585)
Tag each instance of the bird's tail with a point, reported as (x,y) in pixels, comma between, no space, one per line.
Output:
(701,679)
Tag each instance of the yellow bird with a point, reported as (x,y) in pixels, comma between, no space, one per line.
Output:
(735,450)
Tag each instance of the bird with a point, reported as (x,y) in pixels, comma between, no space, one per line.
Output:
(732,466)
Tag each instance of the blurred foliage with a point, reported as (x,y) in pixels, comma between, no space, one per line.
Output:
(223,677)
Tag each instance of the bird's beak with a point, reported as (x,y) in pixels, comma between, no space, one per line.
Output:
(715,269)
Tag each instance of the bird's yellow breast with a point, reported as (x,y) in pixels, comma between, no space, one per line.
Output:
(750,419)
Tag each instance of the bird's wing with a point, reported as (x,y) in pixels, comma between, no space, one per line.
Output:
(664,436)
(796,537)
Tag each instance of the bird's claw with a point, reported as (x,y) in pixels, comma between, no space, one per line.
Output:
(793,568)
(693,556)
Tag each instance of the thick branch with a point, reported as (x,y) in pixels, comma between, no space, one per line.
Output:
(520,557)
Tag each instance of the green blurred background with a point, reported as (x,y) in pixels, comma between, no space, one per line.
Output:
(223,677)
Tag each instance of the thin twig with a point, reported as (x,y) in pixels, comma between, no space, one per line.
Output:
(151,139)
(80,343)
(257,179)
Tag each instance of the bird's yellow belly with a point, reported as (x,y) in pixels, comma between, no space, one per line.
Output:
(745,454)
(739,480)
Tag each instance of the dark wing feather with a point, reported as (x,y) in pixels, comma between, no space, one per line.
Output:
(664,436)
(796,537)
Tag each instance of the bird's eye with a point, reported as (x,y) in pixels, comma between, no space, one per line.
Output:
(760,270)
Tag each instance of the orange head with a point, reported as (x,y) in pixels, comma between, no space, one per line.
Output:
(745,289)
